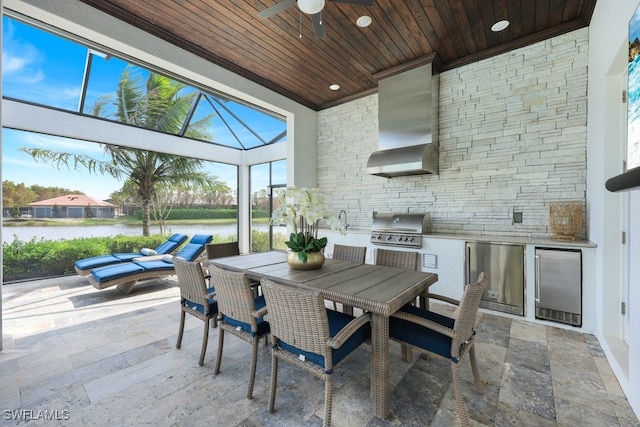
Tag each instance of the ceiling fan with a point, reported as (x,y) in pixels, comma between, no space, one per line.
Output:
(310,7)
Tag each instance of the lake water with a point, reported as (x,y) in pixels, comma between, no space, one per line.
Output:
(72,232)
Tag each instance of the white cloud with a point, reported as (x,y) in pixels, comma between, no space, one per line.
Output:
(66,145)
(20,60)
(29,163)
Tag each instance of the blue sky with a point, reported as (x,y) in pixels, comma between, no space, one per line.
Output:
(33,70)
(634,25)
(20,167)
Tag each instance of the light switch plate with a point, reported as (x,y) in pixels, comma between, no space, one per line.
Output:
(517,217)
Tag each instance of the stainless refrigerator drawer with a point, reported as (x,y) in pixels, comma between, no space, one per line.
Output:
(504,265)
(559,285)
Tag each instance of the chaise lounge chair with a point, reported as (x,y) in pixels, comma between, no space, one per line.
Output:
(125,275)
(84,266)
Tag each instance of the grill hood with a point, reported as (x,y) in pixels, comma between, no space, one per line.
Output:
(408,122)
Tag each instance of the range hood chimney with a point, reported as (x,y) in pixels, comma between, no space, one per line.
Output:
(407,120)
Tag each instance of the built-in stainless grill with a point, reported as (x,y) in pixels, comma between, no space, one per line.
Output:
(400,229)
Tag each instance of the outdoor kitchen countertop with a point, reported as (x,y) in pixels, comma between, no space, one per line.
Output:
(522,240)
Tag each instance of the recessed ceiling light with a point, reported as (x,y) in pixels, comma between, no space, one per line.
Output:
(499,26)
(334,87)
(363,21)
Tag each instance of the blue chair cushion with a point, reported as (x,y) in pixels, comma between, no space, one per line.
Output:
(213,304)
(422,337)
(263,326)
(116,271)
(96,261)
(337,321)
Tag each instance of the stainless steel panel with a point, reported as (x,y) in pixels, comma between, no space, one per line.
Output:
(402,222)
(504,265)
(408,124)
(408,105)
(413,160)
(559,280)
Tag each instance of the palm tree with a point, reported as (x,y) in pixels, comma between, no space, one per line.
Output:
(157,105)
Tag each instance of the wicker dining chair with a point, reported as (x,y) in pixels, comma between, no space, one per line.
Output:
(356,254)
(450,338)
(407,260)
(398,259)
(219,250)
(195,299)
(307,335)
(240,313)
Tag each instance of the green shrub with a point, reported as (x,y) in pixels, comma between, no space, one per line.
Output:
(177,214)
(48,258)
(259,213)
(260,241)
(40,258)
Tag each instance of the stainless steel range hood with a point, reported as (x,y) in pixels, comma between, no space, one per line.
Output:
(408,122)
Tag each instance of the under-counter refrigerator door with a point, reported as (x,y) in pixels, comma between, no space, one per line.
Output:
(504,266)
(559,285)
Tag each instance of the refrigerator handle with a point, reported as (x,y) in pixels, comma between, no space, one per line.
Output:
(537,278)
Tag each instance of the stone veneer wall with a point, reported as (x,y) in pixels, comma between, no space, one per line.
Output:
(513,134)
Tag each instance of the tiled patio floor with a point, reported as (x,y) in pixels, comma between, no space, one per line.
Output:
(97,358)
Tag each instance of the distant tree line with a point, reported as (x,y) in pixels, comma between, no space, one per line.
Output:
(634,49)
(17,195)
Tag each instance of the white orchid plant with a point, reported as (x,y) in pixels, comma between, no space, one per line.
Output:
(302,209)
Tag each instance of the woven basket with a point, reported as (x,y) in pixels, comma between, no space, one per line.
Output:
(565,220)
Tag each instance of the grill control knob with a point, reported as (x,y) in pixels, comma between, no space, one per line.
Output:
(389,237)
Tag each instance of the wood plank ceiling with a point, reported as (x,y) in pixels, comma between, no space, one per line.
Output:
(283,54)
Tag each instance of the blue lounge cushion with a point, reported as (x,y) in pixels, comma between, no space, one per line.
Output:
(422,337)
(127,257)
(195,247)
(155,265)
(201,239)
(263,326)
(337,321)
(169,245)
(96,261)
(116,271)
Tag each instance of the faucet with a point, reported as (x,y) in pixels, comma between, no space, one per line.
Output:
(345,218)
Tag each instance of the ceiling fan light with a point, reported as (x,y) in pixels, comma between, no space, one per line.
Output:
(310,7)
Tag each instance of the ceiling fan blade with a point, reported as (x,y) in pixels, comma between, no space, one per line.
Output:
(357,2)
(318,25)
(272,10)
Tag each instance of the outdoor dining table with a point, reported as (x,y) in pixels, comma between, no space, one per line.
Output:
(376,289)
